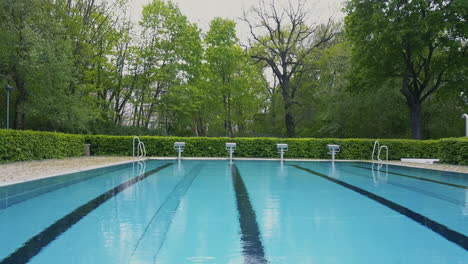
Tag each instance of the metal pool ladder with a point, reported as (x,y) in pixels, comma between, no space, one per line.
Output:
(139,146)
(379,150)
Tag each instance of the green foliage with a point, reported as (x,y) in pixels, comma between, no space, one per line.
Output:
(171,54)
(454,150)
(419,44)
(234,86)
(33,145)
(451,151)
(81,67)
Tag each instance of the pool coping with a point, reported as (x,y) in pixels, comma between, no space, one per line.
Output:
(63,171)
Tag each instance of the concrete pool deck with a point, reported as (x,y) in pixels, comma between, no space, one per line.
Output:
(17,172)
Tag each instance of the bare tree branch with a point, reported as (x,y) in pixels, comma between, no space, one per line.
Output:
(284,39)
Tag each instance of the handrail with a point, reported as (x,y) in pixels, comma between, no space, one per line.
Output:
(136,139)
(373,150)
(140,148)
(380,149)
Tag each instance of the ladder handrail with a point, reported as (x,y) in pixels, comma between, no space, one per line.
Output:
(138,141)
(380,149)
(142,148)
(373,150)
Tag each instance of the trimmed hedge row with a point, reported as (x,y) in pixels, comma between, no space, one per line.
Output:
(16,145)
(30,145)
(452,151)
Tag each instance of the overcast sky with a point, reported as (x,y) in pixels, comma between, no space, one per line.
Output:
(203,11)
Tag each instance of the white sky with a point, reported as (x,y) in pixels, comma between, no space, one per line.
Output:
(203,11)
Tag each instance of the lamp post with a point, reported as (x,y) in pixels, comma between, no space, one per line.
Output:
(9,88)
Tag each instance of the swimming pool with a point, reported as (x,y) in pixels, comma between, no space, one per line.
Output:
(208,211)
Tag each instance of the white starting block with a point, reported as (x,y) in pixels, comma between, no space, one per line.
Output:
(231,147)
(282,148)
(333,149)
(179,147)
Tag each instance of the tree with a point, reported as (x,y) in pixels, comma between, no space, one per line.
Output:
(224,58)
(37,57)
(420,43)
(171,54)
(288,41)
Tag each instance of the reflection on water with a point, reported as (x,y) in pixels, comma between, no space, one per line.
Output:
(465,208)
(378,175)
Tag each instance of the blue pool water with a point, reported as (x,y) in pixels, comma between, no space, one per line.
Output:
(249,212)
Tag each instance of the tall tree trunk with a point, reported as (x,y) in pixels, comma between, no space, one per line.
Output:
(288,115)
(416,128)
(227,119)
(135,113)
(273,111)
(289,120)
(148,115)
(20,119)
(414,104)
(140,115)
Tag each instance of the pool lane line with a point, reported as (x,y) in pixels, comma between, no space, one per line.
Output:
(53,186)
(34,245)
(449,234)
(252,247)
(418,178)
(168,209)
(414,189)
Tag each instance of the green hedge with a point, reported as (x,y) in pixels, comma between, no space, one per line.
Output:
(312,148)
(29,145)
(16,145)
(454,150)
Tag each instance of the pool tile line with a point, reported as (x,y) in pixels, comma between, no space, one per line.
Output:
(252,247)
(47,185)
(415,189)
(419,178)
(162,218)
(32,247)
(449,234)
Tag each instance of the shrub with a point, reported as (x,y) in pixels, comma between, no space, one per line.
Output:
(28,145)
(312,148)
(18,145)
(454,150)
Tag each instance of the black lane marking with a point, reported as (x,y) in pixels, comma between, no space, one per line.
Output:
(41,240)
(252,247)
(419,178)
(440,229)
